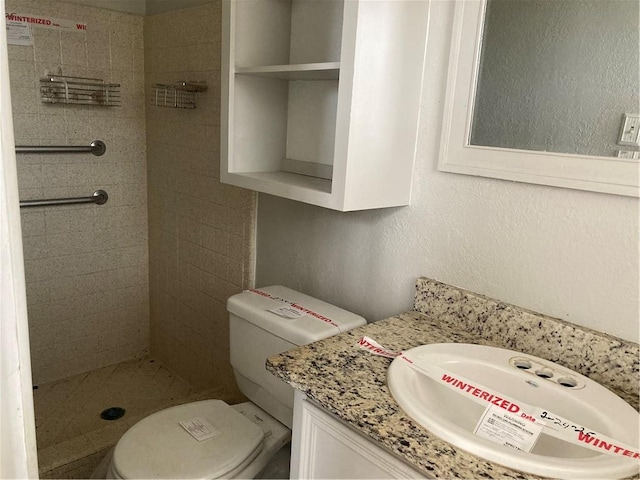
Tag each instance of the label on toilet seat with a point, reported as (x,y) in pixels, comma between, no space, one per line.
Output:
(199,428)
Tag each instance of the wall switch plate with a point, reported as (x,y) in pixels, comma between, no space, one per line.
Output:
(630,154)
(630,130)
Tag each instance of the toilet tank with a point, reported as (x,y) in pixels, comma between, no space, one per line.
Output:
(271,320)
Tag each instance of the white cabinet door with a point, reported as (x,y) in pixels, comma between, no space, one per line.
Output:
(323,448)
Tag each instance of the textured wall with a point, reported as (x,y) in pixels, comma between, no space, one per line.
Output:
(141,7)
(201,232)
(136,7)
(558,76)
(86,266)
(158,6)
(566,253)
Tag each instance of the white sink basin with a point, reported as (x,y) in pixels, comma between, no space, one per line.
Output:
(452,409)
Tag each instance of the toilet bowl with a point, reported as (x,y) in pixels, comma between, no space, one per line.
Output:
(211,439)
(245,440)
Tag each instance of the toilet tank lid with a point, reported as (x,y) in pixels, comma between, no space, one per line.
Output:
(311,319)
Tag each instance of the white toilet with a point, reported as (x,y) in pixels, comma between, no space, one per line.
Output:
(241,440)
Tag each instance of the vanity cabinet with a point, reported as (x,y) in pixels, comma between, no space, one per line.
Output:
(323,447)
(320,99)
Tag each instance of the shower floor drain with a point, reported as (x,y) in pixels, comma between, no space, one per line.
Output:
(112,413)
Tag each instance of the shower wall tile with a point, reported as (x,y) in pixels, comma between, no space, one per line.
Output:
(194,265)
(86,266)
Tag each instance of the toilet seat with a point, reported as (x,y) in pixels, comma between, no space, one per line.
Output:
(159,447)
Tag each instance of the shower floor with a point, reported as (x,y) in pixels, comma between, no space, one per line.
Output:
(71,436)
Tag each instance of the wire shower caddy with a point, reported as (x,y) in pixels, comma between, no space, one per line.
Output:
(177,95)
(79,91)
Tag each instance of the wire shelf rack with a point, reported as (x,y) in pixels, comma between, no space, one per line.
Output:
(79,91)
(177,95)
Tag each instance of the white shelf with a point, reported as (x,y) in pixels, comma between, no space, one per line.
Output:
(304,182)
(327,89)
(307,71)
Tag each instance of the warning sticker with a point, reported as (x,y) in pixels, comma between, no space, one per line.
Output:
(508,429)
(288,312)
(199,428)
(18,33)
(46,22)
(291,307)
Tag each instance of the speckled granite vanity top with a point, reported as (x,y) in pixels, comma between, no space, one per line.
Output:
(352,384)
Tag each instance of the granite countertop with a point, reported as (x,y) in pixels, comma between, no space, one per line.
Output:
(352,383)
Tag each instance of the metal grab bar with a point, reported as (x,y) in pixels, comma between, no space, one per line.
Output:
(99,197)
(97,148)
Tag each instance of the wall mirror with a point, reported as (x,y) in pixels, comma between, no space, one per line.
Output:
(537,90)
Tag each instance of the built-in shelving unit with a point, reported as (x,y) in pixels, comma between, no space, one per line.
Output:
(320,99)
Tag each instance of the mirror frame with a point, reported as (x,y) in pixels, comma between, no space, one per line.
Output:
(613,175)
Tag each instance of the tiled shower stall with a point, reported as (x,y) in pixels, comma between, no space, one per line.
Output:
(145,277)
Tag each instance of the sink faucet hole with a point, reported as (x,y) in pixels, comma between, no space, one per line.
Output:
(567,382)
(522,364)
(544,373)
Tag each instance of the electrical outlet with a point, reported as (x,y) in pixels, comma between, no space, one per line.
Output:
(630,130)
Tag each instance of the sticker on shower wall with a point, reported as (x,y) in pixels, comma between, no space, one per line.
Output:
(18,33)
(45,22)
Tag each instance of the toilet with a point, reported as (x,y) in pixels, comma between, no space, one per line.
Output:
(211,439)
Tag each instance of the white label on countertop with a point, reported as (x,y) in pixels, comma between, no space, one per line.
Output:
(199,428)
(508,429)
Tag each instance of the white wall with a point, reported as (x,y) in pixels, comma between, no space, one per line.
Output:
(566,253)
(137,7)
(18,458)
(158,6)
